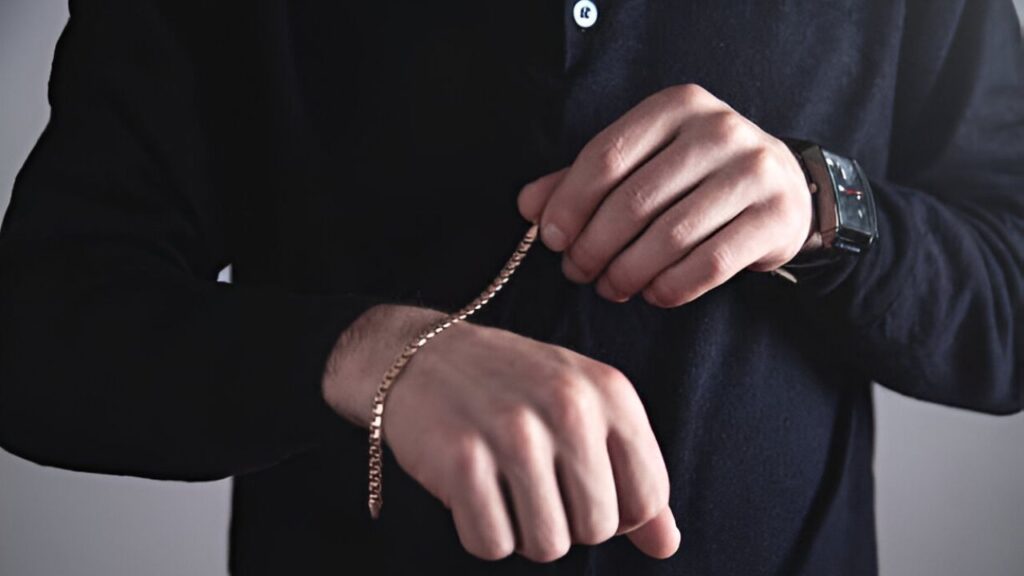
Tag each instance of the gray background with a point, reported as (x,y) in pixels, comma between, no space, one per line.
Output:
(950,484)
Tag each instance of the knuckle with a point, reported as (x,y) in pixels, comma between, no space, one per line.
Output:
(636,202)
(571,404)
(761,163)
(491,550)
(610,377)
(685,92)
(726,126)
(680,234)
(666,98)
(485,546)
(610,157)
(494,546)
(547,551)
(469,455)
(720,263)
(520,433)
(615,387)
(597,530)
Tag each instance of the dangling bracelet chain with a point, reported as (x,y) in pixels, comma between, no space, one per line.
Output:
(376,418)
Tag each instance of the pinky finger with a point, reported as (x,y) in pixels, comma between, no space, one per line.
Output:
(736,246)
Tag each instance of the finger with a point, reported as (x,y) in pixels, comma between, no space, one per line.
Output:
(478,508)
(611,156)
(742,242)
(658,538)
(534,196)
(588,489)
(539,512)
(641,478)
(644,195)
(681,228)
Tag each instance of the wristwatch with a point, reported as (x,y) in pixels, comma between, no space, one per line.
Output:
(844,204)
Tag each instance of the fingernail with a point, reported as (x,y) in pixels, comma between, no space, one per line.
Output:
(553,237)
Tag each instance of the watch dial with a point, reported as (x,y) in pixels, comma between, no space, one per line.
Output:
(853,199)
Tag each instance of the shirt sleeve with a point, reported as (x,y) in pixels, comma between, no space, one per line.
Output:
(934,310)
(119,351)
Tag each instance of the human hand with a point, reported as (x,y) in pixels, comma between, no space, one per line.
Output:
(479,410)
(673,199)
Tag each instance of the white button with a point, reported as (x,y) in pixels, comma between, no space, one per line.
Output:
(585,13)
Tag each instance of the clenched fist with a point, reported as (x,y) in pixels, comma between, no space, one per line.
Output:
(481,413)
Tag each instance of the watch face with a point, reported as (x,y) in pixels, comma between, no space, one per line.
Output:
(854,207)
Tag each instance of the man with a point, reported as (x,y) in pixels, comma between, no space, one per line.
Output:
(642,380)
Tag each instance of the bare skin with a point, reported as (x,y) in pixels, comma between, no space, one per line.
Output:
(671,200)
(479,407)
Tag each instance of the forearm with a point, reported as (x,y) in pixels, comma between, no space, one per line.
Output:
(934,310)
(135,369)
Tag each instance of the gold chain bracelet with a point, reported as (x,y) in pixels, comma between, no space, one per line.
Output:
(376,500)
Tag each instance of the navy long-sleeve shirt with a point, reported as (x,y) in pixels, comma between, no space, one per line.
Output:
(340,154)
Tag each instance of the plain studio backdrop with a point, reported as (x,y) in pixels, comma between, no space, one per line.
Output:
(950,484)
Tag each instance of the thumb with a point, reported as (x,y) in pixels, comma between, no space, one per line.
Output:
(659,538)
(535,195)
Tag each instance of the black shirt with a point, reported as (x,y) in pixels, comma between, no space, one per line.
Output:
(329,150)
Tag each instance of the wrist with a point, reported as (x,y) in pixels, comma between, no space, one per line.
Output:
(843,200)
(813,243)
(813,240)
(364,351)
